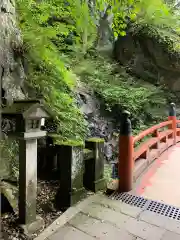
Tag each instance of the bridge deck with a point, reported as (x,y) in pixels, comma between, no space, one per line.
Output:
(161,182)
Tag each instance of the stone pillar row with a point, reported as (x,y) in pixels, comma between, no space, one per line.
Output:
(78,174)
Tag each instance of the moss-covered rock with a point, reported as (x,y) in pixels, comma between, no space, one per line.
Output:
(152,54)
(10,191)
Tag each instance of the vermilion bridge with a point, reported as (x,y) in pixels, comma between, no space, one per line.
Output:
(150,168)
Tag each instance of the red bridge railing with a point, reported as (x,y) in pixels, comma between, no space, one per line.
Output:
(161,137)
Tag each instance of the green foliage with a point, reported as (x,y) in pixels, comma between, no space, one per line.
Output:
(84,24)
(120,91)
(47,71)
(47,25)
(9,158)
(153,12)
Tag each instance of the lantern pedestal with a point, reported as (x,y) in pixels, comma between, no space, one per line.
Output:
(28,184)
(33,227)
(27,115)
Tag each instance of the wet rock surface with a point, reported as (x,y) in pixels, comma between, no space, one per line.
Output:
(99,123)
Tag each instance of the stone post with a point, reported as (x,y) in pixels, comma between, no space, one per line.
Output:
(172,116)
(71,169)
(126,162)
(28,114)
(28,185)
(94,168)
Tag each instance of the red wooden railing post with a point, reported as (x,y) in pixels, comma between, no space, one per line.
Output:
(172,116)
(126,163)
(156,134)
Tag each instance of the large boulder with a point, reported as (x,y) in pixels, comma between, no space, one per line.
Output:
(10,192)
(151,54)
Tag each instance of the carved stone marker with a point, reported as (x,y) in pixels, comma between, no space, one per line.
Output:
(28,115)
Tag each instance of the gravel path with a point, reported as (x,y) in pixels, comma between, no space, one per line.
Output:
(45,208)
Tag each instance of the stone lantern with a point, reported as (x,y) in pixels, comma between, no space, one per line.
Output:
(27,115)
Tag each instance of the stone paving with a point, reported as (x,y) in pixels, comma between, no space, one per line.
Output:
(107,219)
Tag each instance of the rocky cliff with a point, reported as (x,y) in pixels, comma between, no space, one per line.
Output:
(11,67)
(11,73)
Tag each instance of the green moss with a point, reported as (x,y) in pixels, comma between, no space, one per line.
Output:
(95,140)
(168,39)
(70,143)
(115,134)
(57,139)
(86,151)
(88,154)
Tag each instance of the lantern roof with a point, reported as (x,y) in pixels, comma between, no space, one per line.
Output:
(29,109)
